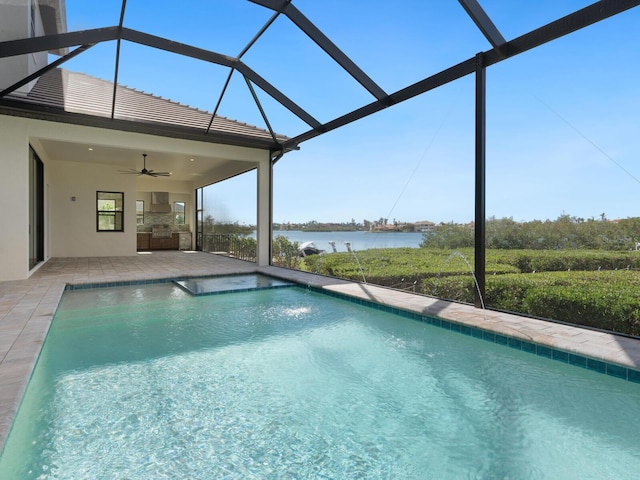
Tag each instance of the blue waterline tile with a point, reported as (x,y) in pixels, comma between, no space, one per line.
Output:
(596,365)
(633,375)
(577,360)
(515,343)
(476,332)
(544,351)
(617,371)
(528,347)
(561,356)
(465,330)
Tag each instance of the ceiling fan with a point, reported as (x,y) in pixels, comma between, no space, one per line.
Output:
(144,171)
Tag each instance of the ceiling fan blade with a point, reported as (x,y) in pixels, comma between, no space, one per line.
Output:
(144,170)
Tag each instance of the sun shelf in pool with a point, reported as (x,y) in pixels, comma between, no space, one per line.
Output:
(215,285)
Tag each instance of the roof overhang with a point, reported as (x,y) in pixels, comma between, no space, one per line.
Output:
(51,114)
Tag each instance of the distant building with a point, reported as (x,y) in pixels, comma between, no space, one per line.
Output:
(424,226)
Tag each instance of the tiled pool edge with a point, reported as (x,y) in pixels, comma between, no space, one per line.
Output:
(129,283)
(553,353)
(16,368)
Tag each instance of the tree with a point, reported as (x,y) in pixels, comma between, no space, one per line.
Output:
(565,232)
(503,233)
(448,235)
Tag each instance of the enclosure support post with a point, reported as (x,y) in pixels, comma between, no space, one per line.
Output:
(480,182)
(264,197)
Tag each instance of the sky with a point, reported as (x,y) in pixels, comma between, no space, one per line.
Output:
(563,120)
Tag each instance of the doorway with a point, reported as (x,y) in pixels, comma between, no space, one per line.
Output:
(36,209)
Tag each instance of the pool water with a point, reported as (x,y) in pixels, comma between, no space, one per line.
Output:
(149,382)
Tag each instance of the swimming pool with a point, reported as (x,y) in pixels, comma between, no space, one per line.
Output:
(151,382)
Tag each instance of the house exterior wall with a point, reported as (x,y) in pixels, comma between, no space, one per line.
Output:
(73,222)
(14,197)
(70,226)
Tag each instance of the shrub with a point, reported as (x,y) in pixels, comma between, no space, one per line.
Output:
(285,252)
(604,300)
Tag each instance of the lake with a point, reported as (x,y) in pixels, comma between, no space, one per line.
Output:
(359,240)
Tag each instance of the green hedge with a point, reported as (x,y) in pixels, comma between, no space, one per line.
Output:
(398,263)
(593,288)
(527,261)
(609,300)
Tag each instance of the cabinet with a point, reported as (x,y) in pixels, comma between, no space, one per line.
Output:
(147,242)
(144,241)
(164,243)
(185,241)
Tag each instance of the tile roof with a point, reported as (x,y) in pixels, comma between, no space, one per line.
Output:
(78,93)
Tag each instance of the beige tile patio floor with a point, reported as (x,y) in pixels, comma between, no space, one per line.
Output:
(27,308)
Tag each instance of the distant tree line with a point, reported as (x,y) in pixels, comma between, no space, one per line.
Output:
(352,226)
(209,225)
(566,232)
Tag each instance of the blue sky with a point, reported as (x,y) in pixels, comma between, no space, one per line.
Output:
(563,120)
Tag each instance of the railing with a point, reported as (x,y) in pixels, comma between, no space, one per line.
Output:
(232,245)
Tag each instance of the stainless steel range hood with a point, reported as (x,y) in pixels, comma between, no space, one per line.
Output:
(160,202)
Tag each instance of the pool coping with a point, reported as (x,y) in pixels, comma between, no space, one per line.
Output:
(27,308)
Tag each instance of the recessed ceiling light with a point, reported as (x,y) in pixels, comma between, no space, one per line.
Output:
(192,160)
(91,149)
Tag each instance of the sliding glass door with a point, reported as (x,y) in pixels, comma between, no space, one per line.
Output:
(36,209)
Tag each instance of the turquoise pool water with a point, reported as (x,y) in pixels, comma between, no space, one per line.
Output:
(149,382)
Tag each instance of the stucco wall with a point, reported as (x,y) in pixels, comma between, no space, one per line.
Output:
(14,198)
(73,223)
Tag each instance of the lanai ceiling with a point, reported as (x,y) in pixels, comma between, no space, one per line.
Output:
(258,61)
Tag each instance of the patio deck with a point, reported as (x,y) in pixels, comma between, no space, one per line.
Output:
(27,308)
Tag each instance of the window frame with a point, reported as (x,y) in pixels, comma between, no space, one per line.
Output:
(117,214)
(139,213)
(176,213)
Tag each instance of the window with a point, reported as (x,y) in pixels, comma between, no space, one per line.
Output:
(110,211)
(179,209)
(139,212)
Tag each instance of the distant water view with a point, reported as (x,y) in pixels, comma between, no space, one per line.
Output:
(359,240)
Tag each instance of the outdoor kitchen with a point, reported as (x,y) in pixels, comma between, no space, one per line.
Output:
(162,221)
